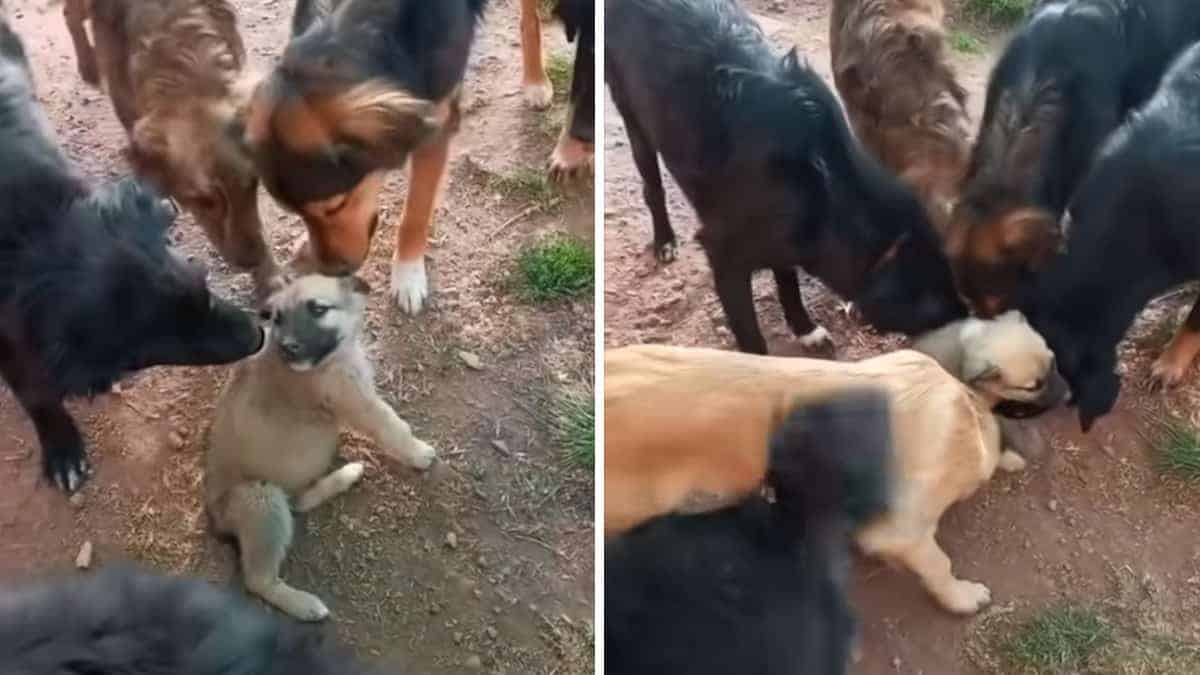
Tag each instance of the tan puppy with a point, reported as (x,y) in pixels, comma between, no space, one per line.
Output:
(683,423)
(276,430)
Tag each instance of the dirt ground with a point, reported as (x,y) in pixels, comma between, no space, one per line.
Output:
(513,594)
(1090,522)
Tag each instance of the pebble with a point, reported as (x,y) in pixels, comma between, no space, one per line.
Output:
(474,662)
(84,559)
(76,500)
(473,362)
(176,440)
(482,561)
(1053,505)
(458,638)
(451,540)
(492,633)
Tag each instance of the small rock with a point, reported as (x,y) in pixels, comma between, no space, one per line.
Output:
(492,633)
(77,500)
(473,362)
(458,638)
(474,662)
(176,440)
(84,559)
(1053,505)
(452,540)
(482,561)
(501,446)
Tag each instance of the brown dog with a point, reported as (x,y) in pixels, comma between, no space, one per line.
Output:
(687,429)
(361,86)
(174,72)
(901,94)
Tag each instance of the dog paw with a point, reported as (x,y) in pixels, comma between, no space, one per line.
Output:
(67,468)
(817,337)
(351,473)
(571,159)
(1166,372)
(410,286)
(307,607)
(1012,462)
(665,252)
(966,597)
(422,455)
(538,95)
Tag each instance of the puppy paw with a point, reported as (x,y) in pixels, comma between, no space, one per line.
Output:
(665,252)
(571,159)
(965,597)
(307,607)
(1167,372)
(350,474)
(422,455)
(67,467)
(1012,462)
(410,286)
(817,337)
(538,95)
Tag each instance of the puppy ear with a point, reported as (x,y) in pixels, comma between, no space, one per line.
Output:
(1031,237)
(358,284)
(978,370)
(385,120)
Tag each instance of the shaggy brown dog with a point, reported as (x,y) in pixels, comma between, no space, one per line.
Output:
(901,95)
(174,72)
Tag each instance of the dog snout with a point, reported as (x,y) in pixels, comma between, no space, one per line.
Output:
(1055,392)
(289,346)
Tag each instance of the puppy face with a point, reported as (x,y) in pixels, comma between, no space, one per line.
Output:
(313,317)
(1006,359)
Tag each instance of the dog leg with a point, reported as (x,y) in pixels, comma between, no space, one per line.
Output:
(575,149)
(733,289)
(258,514)
(536,86)
(932,565)
(360,407)
(75,13)
(64,461)
(1168,370)
(646,159)
(329,487)
(427,169)
(571,156)
(787,280)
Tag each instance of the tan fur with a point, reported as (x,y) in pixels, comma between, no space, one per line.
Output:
(275,435)
(175,71)
(537,87)
(901,94)
(681,422)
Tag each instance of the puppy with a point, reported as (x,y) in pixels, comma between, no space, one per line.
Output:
(88,290)
(760,147)
(683,425)
(276,427)
(575,146)
(891,67)
(133,622)
(363,85)
(756,587)
(1064,82)
(1132,236)
(174,71)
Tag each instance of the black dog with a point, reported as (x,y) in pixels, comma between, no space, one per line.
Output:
(123,621)
(88,289)
(1135,233)
(575,144)
(1067,79)
(758,588)
(760,147)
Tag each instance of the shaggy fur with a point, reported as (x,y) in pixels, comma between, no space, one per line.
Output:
(130,622)
(892,69)
(760,147)
(174,71)
(1134,234)
(757,588)
(88,289)
(363,87)
(1063,83)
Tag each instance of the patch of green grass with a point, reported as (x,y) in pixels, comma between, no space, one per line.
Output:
(558,70)
(962,41)
(1058,640)
(1178,449)
(555,268)
(574,426)
(1005,12)
(530,185)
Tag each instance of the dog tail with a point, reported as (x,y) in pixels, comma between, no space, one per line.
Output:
(831,460)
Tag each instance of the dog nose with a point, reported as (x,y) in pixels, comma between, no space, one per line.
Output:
(289,346)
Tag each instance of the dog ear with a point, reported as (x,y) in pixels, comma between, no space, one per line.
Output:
(1031,237)
(387,122)
(357,284)
(977,370)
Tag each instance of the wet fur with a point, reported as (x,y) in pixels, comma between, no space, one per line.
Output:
(88,290)
(902,97)
(756,587)
(682,421)
(760,147)
(1067,78)
(176,73)
(275,433)
(125,620)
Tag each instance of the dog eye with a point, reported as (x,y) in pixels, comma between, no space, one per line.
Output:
(1036,385)
(317,309)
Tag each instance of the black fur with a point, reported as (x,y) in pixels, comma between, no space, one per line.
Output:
(758,588)
(88,289)
(578,17)
(760,147)
(1134,233)
(122,621)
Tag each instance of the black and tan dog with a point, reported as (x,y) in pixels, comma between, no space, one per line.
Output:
(576,144)
(1064,82)
(363,87)
(760,147)
(89,291)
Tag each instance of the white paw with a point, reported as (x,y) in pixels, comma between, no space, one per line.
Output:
(966,597)
(538,94)
(816,337)
(410,286)
(1011,461)
(308,607)
(422,455)
(351,473)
